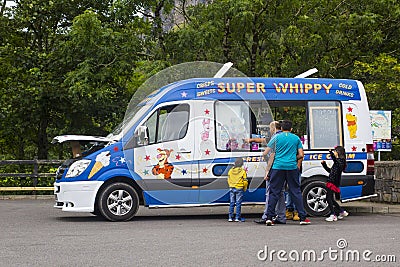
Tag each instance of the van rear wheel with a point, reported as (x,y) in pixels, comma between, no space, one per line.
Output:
(314,199)
(118,202)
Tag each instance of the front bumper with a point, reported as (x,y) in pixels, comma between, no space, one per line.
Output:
(76,196)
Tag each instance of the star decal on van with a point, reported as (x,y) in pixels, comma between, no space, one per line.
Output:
(353,148)
(184,172)
(178,157)
(184,94)
(207,151)
(350,109)
(147,158)
(205,170)
(207,112)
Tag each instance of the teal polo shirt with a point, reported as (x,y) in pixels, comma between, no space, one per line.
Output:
(285,145)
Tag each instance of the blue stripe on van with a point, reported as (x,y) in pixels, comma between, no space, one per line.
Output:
(257,195)
(205,161)
(196,196)
(347,192)
(171,197)
(324,156)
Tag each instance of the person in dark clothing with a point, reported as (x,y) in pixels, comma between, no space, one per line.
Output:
(338,156)
(285,168)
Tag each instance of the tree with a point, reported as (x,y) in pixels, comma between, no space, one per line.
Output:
(51,82)
(284,38)
(382,83)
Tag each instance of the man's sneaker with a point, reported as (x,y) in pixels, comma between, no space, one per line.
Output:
(237,220)
(269,222)
(331,218)
(343,214)
(296,216)
(260,221)
(230,220)
(305,222)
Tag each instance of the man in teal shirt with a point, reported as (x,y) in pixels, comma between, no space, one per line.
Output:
(286,167)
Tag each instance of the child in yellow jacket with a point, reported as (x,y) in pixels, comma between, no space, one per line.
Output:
(237,181)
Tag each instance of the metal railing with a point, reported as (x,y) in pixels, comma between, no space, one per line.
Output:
(34,175)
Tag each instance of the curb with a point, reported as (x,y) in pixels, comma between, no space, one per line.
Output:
(22,197)
(372,207)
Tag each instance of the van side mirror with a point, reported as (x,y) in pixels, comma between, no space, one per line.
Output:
(141,136)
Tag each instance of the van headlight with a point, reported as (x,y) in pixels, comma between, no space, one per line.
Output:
(77,168)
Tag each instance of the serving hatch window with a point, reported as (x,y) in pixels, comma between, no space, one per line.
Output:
(325,124)
(233,125)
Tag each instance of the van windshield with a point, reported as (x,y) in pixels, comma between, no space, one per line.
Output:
(131,116)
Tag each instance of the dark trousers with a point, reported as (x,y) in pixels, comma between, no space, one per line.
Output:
(277,180)
(332,204)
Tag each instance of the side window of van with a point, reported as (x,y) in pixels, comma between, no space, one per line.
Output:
(168,123)
(233,125)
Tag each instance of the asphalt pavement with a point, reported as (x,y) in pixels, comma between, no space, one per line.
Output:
(361,206)
(33,233)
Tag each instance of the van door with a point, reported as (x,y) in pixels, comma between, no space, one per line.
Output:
(223,127)
(165,162)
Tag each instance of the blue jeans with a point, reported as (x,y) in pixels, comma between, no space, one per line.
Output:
(280,206)
(236,198)
(289,196)
(277,181)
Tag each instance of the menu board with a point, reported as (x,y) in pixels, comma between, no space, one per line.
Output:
(325,127)
(381,124)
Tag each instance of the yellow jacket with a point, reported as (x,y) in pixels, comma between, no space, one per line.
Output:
(237,177)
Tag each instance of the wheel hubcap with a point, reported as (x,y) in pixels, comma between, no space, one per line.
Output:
(119,202)
(316,199)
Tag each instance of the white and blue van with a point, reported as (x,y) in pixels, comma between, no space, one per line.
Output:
(177,147)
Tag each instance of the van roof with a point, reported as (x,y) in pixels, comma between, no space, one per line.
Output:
(245,88)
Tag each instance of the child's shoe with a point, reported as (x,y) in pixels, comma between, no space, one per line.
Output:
(296,216)
(343,214)
(331,218)
(289,215)
(237,220)
(230,220)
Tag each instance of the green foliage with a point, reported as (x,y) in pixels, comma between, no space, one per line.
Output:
(71,67)
(67,70)
(22,181)
(382,83)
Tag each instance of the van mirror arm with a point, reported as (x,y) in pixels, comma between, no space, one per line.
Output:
(223,70)
(307,73)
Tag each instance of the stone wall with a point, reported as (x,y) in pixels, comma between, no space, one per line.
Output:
(387,183)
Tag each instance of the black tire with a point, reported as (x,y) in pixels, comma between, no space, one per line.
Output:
(314,199)
(118,202)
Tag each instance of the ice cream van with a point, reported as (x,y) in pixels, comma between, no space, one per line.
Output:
(177,145)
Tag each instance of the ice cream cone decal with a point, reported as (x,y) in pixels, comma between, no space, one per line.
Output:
(102,160)
(97,166)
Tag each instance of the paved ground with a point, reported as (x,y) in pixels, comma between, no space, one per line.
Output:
(35,234)
(364,206)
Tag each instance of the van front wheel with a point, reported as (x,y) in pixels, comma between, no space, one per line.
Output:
(118,202)
(314,199)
